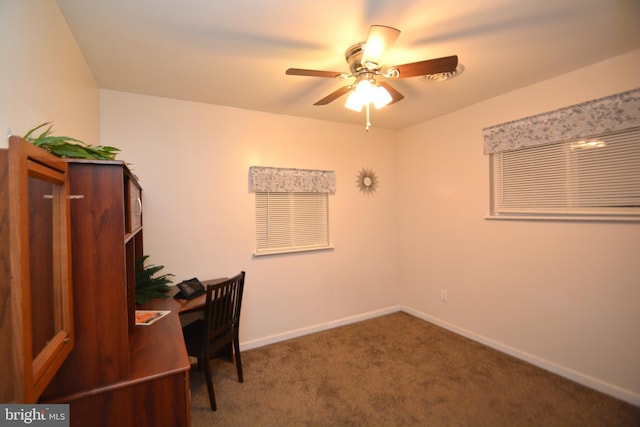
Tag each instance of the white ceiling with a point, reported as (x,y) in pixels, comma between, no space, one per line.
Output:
(235,52)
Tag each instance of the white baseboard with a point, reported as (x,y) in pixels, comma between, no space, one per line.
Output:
(260,342)
(586,380)
(594,383)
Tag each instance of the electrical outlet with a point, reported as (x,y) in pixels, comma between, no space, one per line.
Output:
(443,296)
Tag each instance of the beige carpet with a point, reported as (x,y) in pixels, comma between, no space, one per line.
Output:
(396,370)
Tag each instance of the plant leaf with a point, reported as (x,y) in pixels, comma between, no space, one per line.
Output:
(148,286)
(66,146)
(28,134)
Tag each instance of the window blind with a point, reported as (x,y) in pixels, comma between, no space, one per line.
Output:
(291,222)
(599,175)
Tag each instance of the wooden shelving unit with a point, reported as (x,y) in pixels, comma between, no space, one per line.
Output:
(118,374)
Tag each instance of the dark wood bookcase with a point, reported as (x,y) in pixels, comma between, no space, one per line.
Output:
(103,265)
(113,376)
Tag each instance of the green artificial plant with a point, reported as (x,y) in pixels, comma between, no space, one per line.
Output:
(148,286)
(64,146)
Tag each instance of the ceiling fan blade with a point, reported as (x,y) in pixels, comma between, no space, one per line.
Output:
(430,66)
(313,73)
(395,95)
(379,41)
(334,95)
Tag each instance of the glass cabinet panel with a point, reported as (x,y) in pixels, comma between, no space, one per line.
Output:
(40,270)
(41,262)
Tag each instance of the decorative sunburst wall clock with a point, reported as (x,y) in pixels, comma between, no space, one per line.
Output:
(367,181)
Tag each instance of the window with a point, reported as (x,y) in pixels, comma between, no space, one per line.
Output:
(292,209)
(577,162)
(596,176)
(287,222)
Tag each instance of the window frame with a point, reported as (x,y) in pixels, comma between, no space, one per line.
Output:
(568,179)
(290,215)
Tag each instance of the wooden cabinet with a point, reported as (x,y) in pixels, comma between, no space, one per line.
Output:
(36,310)
(117,372)
(100,246)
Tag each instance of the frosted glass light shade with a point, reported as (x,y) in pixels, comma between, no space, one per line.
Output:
(353,102)
(366,93)
(381,97)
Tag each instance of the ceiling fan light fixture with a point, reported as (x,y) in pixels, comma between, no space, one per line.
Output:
(353,102)
(380,96)
(360,96)
(367,92)
(373,51)
(364,87)
(379,40)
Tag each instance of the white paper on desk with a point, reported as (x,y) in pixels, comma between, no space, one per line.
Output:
(148,317)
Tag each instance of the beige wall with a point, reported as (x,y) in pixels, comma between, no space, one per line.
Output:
(564,295)
(193,161)
(43,76)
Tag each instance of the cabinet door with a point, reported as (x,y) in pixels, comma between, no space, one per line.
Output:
(101,355)
(39,240)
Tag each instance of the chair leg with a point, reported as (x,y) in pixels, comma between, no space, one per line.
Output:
(236,347)
(212,395)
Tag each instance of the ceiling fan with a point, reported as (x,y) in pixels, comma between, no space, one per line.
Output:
(367,68)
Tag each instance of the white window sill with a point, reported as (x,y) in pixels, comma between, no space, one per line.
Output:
(291,250)
(584,218)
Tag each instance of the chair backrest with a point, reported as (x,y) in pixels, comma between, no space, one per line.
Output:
(222,311)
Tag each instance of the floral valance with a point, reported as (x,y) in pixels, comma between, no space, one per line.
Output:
(612,113)
(285,180)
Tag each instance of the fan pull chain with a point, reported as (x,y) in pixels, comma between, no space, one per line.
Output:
(368,125)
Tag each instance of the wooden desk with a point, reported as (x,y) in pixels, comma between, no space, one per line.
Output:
(159,374)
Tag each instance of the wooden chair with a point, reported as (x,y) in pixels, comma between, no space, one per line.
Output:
(217,333)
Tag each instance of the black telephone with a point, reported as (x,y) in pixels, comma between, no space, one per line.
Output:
(190,289)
